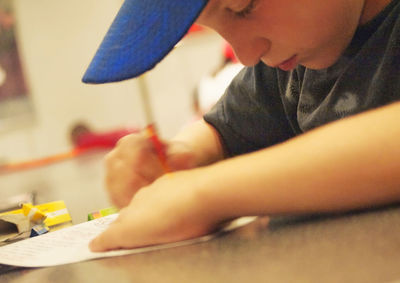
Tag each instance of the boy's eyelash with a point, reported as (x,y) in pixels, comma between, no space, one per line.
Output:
(247,10)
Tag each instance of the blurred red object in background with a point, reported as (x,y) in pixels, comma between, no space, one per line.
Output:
(195,28)
(83,137)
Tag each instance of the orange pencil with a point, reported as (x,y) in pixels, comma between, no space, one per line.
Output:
(158,146)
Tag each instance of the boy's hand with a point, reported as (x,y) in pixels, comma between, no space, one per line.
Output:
(134,163)
(168,210)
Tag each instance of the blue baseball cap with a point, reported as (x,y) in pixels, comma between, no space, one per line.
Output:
(141,35)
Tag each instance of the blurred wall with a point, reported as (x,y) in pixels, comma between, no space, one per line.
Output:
(57,39)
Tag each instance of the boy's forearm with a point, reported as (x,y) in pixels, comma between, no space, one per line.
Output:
(352,163)
(204,140)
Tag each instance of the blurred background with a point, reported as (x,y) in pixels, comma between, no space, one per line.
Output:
(51,43)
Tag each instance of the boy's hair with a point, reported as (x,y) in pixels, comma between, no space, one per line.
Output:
(141,35)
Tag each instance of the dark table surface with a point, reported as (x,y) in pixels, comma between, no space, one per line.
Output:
(362,246)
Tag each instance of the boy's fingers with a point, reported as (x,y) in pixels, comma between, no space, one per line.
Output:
(107,240)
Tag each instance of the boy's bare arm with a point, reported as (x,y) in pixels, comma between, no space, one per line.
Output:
(348,164)
(204,142)
(352,163)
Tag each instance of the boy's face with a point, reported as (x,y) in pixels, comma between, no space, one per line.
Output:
(285,33)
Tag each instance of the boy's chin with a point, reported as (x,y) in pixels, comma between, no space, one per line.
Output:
(319,64)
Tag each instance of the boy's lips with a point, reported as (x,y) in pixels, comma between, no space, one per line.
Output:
(288,64)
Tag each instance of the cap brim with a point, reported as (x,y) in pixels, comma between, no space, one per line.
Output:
(141,35)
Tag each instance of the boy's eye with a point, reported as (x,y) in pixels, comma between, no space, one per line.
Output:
(246,10)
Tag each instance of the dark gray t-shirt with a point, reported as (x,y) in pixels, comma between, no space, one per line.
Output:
(264,106)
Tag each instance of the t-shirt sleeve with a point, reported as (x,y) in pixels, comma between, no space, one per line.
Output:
(250,115)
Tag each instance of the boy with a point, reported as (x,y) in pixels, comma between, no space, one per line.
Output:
(310,126)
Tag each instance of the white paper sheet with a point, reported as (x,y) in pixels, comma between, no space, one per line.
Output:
(70,244)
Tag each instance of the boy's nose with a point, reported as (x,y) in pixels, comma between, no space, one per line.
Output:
(250,50)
